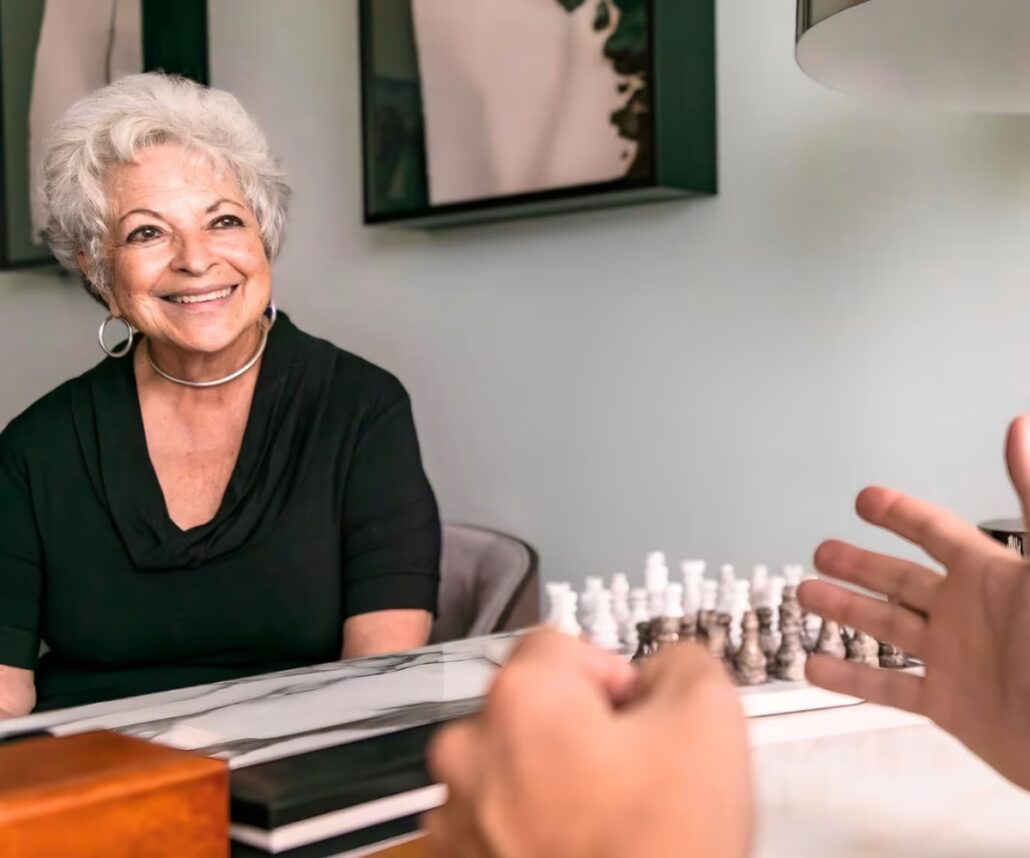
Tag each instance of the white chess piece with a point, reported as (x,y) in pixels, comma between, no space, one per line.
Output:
(727,589)
(709,594)
(555,601)
(759,585)
(741,605)
(656,579)
(603,630)
(569,624)
(593,585)
(638,613)
(693,574)
(620,598)
(673,601)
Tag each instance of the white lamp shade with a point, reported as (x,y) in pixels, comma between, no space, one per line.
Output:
(971,55)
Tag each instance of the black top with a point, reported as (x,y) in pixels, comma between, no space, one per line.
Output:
(327,514)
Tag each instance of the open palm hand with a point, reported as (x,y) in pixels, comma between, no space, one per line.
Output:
(970,627)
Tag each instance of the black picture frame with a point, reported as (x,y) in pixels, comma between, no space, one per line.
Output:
(682,128)
(175,40)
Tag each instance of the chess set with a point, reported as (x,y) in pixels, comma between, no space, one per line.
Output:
(754,626)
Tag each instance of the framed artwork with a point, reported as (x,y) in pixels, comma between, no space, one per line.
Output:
(53,52)
(478,110)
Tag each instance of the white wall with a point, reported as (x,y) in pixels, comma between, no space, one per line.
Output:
(716,377)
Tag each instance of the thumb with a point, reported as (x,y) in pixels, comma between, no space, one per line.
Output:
(1017,458)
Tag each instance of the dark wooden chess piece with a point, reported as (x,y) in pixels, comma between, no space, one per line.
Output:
(768,639)
(863,649)
(791,656)
(716,640)
(890,656)
(688,628)
(750,662)
(644,644)
(830,641)
(668,633)
(724,621)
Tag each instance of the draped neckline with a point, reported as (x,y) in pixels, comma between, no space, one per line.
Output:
(109,422)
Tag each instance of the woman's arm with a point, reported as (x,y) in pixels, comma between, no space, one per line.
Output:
(380,632)
(17,692)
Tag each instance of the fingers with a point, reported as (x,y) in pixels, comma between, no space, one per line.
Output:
(883,620)
(682,673)
(552,652)
(939,532)
(877,685)
(908,583)
(451,832)
(1017,458)
(454,756)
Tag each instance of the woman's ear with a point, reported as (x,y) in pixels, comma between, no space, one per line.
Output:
(108,299)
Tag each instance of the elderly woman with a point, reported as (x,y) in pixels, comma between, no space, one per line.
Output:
(224,494)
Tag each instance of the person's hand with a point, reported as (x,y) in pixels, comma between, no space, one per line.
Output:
(970,627)
(578,755)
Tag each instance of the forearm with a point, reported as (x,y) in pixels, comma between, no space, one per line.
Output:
(381,632)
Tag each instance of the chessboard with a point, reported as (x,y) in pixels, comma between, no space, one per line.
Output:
(753,625)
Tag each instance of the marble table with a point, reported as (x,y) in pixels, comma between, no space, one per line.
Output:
(852,780)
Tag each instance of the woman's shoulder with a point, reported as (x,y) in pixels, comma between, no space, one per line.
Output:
(348,372)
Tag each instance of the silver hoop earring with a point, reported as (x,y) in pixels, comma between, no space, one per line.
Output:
(272,314)
(124,350)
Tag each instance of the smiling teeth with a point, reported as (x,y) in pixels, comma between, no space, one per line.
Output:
(200,299)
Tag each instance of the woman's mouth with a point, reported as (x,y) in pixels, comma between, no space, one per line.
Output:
(201,297)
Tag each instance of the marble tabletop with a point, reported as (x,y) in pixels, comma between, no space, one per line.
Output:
(855,780)
(261,718)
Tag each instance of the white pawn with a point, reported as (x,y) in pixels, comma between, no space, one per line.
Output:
(792,574)
(555,601)
(693,574)
(759,585)
(638,613)
(656,579)
(709,594)
(673,601)
(727,589)
(568,624)
(603,630)
(593,585)
(741,605)
(620,598)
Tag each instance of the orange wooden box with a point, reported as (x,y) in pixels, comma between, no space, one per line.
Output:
(97,795)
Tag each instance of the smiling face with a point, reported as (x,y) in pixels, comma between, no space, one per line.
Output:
(188,267)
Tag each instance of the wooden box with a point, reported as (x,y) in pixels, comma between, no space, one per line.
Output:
(95,795)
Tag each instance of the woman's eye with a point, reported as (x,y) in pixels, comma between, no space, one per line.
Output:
(226,220)
(142,234)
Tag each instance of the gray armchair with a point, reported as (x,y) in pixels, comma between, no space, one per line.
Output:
(488,583)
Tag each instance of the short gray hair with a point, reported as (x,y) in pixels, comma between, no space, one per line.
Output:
(112,125)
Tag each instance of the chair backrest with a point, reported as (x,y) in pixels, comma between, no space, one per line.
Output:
(488,583)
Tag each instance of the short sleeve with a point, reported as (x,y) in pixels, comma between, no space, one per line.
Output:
(21,573)
(391,524)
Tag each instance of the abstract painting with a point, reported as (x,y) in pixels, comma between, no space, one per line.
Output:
(53,52)
(481,109)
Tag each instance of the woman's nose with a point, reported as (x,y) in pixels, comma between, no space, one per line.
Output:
(193,256)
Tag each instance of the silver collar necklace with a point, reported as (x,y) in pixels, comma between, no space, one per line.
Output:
(267,322)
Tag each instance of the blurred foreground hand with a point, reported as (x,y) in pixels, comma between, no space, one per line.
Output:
(579,755)
(971,627)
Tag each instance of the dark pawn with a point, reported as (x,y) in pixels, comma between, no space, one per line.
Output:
(644,644)
(830,641)
(750,663)
(791,656)
(863,649)
(767,638)
(890,656)
(668,633)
